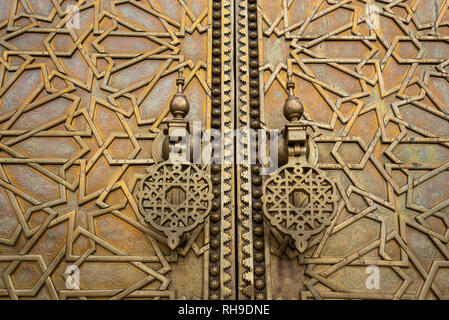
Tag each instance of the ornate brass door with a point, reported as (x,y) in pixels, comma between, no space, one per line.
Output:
(350,203)
(89,209)
(372,78)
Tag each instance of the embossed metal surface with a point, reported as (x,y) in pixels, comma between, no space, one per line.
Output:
(299,201)
(373,79)
(85,92)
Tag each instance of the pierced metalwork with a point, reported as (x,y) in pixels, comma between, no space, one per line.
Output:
(175,199)
(299,201)
(175,196)
(85,89)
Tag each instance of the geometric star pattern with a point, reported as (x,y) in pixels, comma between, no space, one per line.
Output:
(376,101)
(175,199)
(85,88)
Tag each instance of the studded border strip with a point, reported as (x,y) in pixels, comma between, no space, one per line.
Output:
(246,277)
(216,169)
(256,179)
(221,227)
(252,257)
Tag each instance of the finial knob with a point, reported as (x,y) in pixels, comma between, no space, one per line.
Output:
(293,109)
(179,105)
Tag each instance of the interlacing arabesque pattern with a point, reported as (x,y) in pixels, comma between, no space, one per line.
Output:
(85,91)
(376,100)
(299,201)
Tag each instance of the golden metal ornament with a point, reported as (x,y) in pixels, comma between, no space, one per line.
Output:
(85,92)
(300,201)
(175,198)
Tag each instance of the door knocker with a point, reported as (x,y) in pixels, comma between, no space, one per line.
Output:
(175,196)
(299,200)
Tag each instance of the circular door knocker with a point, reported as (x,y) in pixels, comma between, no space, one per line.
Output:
(175,198)
(300,201)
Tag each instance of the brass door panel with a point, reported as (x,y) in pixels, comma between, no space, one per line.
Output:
(86,88)
(92,207)
(372,78)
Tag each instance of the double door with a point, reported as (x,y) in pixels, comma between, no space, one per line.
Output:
(310,162)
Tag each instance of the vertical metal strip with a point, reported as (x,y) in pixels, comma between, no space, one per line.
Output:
(227,136)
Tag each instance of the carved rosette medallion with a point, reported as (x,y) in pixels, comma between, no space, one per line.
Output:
(175,198)
(300,201)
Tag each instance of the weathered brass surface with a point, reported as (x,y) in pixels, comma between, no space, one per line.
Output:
(373,80)
(90,89)
(299,201)
(86,91)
